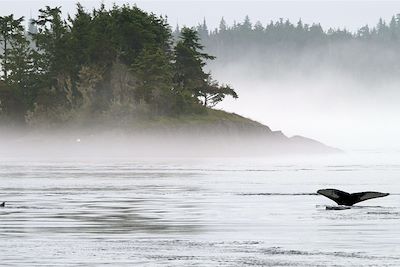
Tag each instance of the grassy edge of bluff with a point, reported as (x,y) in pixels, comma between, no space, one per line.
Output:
(219,123)
(211,120)
(224,127)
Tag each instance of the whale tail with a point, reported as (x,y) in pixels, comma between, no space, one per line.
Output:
(3,204)
(347,199)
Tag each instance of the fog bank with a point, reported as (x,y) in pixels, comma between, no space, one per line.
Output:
(206,141)
(333,110)
(353,107)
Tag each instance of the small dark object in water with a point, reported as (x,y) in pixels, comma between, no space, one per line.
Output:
(347,199)
(3,204)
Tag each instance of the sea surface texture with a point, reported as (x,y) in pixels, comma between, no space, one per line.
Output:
(198,212)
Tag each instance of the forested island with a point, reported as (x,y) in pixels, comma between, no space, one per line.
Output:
(101,65)
(119,77)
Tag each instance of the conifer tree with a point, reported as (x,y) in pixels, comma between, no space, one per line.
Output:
(154,85)
(11,32)
(189,73)
(222,25)
(189,62)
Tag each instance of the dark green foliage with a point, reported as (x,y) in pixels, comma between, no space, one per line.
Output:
(189,73)
(11,33)
(103,63)
(17,68)
(213,93)
(11,107)
(51,57)
(154,73)
(189,62)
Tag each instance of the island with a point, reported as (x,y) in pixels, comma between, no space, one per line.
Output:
(117,81)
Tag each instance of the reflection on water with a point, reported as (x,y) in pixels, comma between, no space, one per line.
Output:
(205,212)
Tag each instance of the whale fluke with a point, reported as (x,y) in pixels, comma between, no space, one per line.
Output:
(3,204)
(347,199)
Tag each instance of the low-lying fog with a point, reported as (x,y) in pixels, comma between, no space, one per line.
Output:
(334,109)
(104,143)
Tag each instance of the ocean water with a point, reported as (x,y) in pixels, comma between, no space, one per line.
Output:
(198,212)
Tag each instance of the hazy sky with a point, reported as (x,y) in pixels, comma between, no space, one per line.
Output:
(349,14)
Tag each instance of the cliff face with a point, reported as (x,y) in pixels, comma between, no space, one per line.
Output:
(215,133)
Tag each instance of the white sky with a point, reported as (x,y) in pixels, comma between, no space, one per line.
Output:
(349,14)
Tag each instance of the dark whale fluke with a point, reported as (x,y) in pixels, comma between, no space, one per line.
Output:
(347,199)
(3,204)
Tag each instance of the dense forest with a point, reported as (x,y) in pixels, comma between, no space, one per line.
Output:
(101,65)
(283,47)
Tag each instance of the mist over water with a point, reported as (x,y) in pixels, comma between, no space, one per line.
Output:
(340,110)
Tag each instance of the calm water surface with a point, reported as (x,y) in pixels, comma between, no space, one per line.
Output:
(197,212)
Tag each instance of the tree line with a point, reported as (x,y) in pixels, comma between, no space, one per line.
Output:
(108,63)
(302,33)
(281,47)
